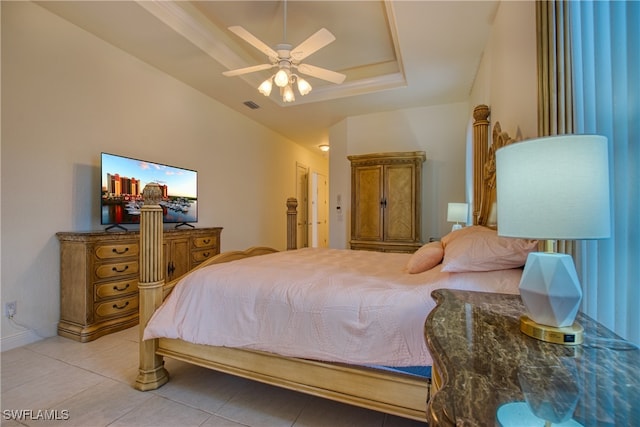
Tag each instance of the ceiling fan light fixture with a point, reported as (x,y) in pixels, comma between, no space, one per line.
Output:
(303,86)
(287,94)
(288,59)
(265,87)
(281,79)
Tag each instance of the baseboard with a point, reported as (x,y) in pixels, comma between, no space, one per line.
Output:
(18,340)
(24,335)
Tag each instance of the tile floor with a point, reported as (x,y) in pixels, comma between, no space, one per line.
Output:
(93,384)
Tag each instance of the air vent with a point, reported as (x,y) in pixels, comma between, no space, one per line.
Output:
(251,105)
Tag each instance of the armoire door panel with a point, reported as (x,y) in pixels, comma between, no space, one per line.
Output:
(368,222)
(399,212)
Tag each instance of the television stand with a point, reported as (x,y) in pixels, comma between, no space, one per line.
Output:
(185,224)
(111,227)
(100,271)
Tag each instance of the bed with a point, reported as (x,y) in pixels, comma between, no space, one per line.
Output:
(368,300)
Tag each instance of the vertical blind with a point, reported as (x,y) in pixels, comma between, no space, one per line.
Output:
(605,39)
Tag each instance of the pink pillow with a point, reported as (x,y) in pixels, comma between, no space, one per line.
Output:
(425,258)
(465,231)
(478,248)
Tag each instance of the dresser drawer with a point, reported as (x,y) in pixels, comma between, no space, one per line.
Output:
(199,256)
(113,289)
(205,241)
(117,307)
(119,250)
(120,269)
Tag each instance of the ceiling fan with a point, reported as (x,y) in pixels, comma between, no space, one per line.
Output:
(288,59)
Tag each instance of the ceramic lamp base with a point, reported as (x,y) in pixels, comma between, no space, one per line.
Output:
(550,289)
(568,335)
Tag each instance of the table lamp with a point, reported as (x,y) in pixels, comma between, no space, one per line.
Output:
(547,189)
(457,212)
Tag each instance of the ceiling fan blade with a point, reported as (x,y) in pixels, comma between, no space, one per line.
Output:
(317,41)
(321,73)
(247,70)
(253,41)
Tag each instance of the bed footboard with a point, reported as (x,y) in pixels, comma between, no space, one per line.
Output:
(153,289)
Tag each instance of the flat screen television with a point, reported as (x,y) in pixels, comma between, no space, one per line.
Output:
(124,178)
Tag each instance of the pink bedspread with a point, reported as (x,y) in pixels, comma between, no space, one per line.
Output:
(355,307)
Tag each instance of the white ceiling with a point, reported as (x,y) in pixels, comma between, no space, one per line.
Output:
(396,54)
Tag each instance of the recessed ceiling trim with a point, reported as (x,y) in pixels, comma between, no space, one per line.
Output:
(190,23)
(393,30)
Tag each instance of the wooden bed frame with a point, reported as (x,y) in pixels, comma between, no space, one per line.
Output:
(386,391)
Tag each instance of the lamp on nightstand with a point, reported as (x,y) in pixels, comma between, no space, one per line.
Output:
(457,212)
(547,189)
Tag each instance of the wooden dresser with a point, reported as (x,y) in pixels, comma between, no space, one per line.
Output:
(486,372)
(99,276)
(385,201)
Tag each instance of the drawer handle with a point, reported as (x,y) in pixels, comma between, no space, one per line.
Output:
(206,241)
(206,254)
(126,267)
(116,288)
(120,308)
(116,251)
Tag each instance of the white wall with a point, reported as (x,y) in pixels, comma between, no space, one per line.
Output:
(66,97)
(440,131)
(506,79)
(507,76)
(339,186)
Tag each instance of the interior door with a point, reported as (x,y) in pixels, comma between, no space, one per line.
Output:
(302,194)
(319,211)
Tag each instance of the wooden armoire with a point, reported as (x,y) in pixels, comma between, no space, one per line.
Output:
(385,201)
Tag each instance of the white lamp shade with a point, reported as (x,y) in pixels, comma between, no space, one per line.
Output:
(265,87)
(287,94)
(457,212)
(281,78)
(554,188)
(303,86)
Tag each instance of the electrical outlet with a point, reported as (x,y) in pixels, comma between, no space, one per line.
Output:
(11,308)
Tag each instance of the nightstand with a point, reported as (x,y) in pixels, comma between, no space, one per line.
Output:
(486,372)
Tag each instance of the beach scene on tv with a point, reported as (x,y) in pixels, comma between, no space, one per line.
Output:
(124,178)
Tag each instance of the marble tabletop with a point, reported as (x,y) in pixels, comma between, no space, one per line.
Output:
(492,374)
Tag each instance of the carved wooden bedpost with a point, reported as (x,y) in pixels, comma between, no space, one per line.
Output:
(151,373)
(480,149)
(292,223)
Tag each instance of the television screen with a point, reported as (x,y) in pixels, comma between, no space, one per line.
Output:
(124,178)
